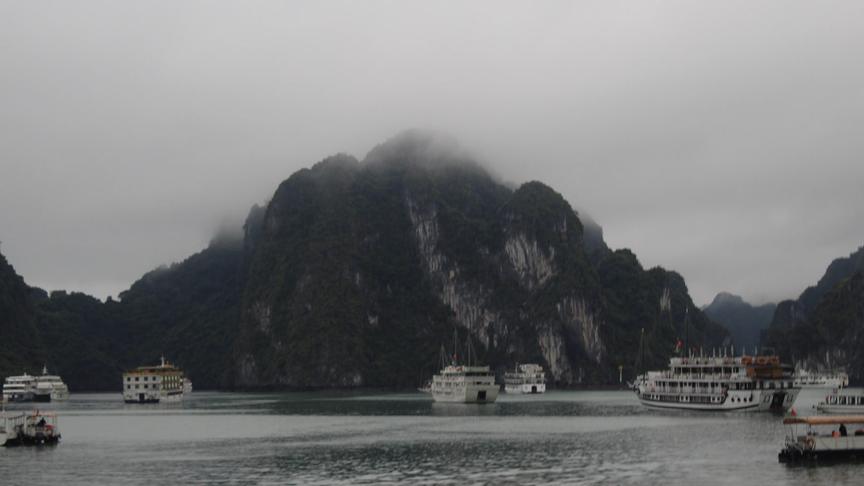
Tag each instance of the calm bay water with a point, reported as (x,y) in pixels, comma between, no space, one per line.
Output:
(327,438)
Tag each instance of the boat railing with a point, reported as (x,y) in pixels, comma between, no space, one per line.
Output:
(700,376)
(687,391)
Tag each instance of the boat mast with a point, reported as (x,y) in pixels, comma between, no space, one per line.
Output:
(455,346)
(686,331)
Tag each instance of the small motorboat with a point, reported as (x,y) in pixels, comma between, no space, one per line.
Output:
(32,428)
(823,438)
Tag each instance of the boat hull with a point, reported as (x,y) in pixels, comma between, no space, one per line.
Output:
(824,448)
(35,440)
(526,389)
(470,393)
(755,401)
(840,409)
(152,398)
(793,456)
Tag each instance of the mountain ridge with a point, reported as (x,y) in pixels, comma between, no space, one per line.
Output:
(355,273)
(745,321)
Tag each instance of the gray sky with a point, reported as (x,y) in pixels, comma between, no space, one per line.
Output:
(721,140)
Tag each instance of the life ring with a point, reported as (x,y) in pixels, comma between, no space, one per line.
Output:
(774,360)
(746,360)
(810,442)
(761,360)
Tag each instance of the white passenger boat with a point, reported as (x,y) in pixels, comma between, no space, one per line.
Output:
(153,384)
(724,383)
(526,378)
(49,388)
(846,401)
(823,438)
(41,388)
(463,383)
(806,379)
(18,388)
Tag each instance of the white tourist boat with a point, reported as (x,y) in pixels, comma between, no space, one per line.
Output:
(18,388)
(823,438)
(756,383)
(806,379)
(49,388)
(40,388)
(846,401)
(463,383)
(153,384)
(526,378)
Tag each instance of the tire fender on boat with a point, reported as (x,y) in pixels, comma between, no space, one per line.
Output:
(810,442)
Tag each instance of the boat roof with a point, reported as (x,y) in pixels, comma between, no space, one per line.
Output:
(825,420)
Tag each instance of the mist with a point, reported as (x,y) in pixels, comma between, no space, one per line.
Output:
(721,140)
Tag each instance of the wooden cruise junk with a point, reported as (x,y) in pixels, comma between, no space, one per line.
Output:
(153,384)
(463,382)
(723,383)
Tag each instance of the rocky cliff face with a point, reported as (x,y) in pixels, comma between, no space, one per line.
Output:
(356,272)
(822,328)
(20,343)
(346,246)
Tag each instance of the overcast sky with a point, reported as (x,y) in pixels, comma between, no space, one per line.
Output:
(721,139)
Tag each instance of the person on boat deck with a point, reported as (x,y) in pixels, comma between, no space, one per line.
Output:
(842,430)
(41,422)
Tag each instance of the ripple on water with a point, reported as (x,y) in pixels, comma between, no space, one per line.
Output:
(339,438)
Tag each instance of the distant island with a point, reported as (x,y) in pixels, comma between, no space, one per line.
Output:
(355,272)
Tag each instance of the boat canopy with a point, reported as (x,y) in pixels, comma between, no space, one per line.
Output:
(825,420)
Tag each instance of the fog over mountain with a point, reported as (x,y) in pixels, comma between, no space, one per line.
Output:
(722,140)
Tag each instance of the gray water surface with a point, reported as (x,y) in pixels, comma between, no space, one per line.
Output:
(361,438)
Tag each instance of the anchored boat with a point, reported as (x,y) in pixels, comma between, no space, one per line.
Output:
(526,378)
(757,383)
(464,383)
(845,401)
(42,388)
(823,438)
(18,388)
(806,379)
(154,384)
(49,388)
